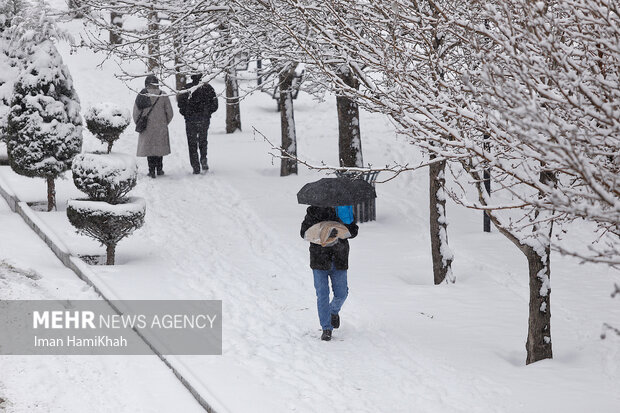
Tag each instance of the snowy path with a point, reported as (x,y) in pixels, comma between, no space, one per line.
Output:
(216,237)
(270,321)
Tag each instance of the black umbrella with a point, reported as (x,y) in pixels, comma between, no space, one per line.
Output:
(328,192)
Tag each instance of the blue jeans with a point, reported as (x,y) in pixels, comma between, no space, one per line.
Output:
(340,288)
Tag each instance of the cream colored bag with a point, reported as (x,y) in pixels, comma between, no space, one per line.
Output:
(319,233)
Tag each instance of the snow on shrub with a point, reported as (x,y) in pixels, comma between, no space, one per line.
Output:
(8,10)
(8,73)
(106,178)
(108,215)
(107,223)
(107,121)
(9,69)
(44,129)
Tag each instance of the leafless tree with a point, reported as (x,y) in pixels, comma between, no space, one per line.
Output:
(429,66)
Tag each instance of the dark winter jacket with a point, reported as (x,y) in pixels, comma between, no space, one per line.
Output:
(321,258)
(199,104)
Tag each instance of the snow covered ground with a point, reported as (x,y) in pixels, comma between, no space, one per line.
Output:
(30,271)
(233,234)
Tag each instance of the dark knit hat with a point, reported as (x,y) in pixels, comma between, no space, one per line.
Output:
(151,80)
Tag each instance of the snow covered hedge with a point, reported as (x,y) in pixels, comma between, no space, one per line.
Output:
(107,223)
(106,178)
(107,121)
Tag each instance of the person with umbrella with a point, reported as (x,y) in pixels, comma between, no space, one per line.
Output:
(329,221)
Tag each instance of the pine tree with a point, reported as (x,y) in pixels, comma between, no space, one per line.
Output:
(44,130)
(8,10)
(9,68)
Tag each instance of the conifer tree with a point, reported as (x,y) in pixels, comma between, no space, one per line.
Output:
(8,64)
(44,128)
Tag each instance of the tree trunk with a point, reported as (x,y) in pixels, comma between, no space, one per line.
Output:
(180,78)
(440,251)
(233,113)
(153,43)
(110,143)
(51,194)
(349,138)
(110,252)
(486,220)
(259,72)
(287,120)
(538,343)
(116,19)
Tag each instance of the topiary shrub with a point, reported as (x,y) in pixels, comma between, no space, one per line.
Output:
(107,121)
(44,128)
(107,223)
(108,215)
(106,178)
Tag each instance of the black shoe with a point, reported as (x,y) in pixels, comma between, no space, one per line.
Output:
(327,335)
(203,164)
(335,320)
(197,171)
(160,172)
(152,174)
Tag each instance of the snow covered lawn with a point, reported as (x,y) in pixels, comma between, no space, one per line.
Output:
(30,271)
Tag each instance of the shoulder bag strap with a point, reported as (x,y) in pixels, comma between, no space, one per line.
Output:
(152,106)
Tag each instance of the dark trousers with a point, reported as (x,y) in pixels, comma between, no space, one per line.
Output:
(197,131)
(155,162)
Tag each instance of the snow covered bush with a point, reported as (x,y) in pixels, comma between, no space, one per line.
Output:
(8,10)
(8,72)
(106,178)
(108,215)
(44,129)
(107,121)
(44,125)
(9,69)
(107,223)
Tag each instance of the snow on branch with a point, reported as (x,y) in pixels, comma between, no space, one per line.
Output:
(396,169)
(607,327)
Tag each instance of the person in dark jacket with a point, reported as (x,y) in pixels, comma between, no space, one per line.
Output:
(196,106)
(329,262)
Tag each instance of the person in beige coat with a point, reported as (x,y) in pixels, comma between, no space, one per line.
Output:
(154,141)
